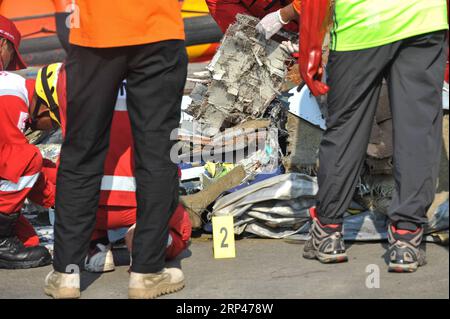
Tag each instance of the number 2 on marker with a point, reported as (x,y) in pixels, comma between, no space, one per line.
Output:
(223,237)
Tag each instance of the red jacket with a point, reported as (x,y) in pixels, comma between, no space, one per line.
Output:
(14,99)
(118,184)
(224,11)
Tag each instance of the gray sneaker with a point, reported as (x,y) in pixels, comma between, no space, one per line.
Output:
(405,254)
(100,259)
(326,243)
(150,286)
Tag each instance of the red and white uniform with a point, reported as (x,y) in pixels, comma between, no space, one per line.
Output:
(117,206)
(20,162)
(224,11)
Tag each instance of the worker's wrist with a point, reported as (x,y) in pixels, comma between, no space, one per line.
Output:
(288,14)
(282,19)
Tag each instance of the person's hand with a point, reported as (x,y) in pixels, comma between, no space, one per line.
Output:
(289,47)
(271,24)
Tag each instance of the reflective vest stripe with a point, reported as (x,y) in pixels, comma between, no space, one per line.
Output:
(118,183)
(11,92)
(24,182)
(121,104)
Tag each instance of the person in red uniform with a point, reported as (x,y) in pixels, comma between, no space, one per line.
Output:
(224,12)
(20,162)
(117,206)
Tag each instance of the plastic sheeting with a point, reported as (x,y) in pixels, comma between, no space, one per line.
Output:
(279,208)
(283,187)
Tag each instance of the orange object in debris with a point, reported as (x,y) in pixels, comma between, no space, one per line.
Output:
(297,5)
(112,23)
(33,18)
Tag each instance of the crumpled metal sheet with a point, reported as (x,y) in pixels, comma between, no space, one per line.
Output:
(282,187)
(264,231)
(247,73)
(50,151)
(275,221)
(286,208)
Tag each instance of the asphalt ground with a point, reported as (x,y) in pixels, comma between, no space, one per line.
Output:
(262,269)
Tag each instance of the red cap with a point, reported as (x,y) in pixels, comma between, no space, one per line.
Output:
(9,31)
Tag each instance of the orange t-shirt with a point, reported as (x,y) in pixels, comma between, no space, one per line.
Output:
(114,23)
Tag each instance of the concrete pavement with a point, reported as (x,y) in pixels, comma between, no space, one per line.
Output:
(262,269)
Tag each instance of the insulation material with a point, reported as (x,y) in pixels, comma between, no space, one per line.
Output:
(247,73)
(302,146)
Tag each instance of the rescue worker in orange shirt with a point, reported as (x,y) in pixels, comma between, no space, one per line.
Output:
(142,42)
(20,162)
(117,206)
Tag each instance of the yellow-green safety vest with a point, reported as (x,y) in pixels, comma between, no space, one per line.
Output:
(363,24)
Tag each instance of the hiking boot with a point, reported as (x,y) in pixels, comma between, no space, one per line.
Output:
(62,286)
(13,254)
(326,243)
(99,259)
(405,254)
(150,286)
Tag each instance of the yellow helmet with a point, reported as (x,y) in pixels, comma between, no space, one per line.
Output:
(45,88)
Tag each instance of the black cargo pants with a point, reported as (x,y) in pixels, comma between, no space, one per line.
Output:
(414,71)
(155,74)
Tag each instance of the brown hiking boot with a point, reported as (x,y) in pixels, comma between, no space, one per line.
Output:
(150,286)
(62,286)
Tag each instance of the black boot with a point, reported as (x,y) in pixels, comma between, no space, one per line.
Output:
(13,254)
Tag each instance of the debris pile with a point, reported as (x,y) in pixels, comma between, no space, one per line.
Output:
(248,147)
(247,73)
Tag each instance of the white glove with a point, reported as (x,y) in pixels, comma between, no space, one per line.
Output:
(289,47)
(271,24)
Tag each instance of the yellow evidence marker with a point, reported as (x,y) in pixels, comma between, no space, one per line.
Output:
(223,237)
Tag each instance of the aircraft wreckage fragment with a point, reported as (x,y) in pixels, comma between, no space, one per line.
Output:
(247,73)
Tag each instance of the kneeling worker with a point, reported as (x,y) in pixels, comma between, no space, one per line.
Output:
(20,162)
